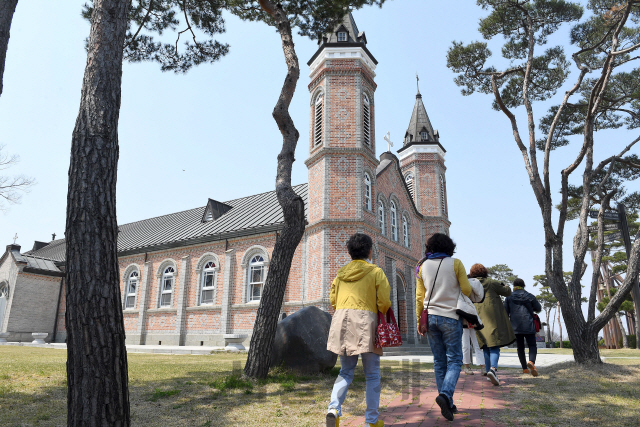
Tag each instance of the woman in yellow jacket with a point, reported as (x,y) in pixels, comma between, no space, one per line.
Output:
(360,290)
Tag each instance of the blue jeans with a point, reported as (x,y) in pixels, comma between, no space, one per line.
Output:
(371,364)
(491,356)
(445,339)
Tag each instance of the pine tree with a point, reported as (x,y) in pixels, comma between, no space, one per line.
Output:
(7,9)
(605,44)
(97,377)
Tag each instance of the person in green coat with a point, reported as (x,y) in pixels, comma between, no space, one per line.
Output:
(497,331)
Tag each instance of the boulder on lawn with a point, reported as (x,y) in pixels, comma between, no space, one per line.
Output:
(301,341)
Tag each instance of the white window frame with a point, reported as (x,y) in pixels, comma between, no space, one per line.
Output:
(394,221)
(133,280)
(209,270)
(167,277)
(318,111)
(381,218)
(424,135)
(257,261)
(342,36)
(405,231)
(5,292)
(366,120)
(367,191)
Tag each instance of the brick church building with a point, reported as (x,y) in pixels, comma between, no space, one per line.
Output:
(190,277)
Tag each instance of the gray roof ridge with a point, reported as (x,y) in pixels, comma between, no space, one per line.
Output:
(203,207)
(264,192)
(161,216)
(38,257)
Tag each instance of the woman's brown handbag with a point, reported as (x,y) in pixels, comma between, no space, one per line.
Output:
(388,332)
(424,316)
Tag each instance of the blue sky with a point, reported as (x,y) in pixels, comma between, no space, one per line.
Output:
(210,134)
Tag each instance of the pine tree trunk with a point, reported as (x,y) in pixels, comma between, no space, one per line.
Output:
(97,375)
(560,325)
(7,9)
(264,330)
(625,341)
(548,313)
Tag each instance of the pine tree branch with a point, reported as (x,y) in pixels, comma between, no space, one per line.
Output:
(144,21)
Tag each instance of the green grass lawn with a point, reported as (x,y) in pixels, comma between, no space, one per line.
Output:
(189,390)
(186,390)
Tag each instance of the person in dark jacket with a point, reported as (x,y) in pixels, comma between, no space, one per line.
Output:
(520,307)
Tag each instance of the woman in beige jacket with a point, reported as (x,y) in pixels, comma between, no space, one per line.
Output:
(358,293)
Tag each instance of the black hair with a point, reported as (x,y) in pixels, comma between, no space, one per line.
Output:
(518,282)
(359,245)
(440,243)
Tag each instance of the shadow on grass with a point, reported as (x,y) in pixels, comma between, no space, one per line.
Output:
(199,391)
(572,395)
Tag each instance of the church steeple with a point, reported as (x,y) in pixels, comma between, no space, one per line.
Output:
(344,41)
(420,129)
(349,30)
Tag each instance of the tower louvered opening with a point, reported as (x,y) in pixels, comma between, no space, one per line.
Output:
(409,180)
(442,195)
(366,122)
(317,128)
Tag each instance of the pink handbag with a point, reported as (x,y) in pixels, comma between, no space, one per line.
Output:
(388,332)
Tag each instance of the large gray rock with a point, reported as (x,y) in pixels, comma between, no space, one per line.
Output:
(301,341)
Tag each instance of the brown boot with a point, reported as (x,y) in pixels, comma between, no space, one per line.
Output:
(525,371)
(532,368)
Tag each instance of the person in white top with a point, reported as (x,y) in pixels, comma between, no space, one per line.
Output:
(439,282)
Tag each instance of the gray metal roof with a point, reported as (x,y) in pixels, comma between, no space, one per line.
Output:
(55,251)
(40,264)
(248,215)
(419,122)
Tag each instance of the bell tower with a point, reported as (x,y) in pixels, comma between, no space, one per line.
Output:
(422,163)
(341,151)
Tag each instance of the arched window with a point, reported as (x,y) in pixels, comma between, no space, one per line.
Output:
(366,120)
(4,299)
(256,277)
(367,192)
(168,280)
(381,217)
(317,127)
(405,231)
(409,180)
(442,197)
(132,286)
(394,221)
(208,283)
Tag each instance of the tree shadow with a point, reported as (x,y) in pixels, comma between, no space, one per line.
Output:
(570,394)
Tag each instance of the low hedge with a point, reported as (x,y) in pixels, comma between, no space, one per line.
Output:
(565,344)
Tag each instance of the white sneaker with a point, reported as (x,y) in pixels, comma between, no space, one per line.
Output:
(333,420)
(468,371)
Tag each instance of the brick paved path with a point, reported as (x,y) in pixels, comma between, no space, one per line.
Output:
(475,397)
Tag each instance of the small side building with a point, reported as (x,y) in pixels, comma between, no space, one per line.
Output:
(29,289)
